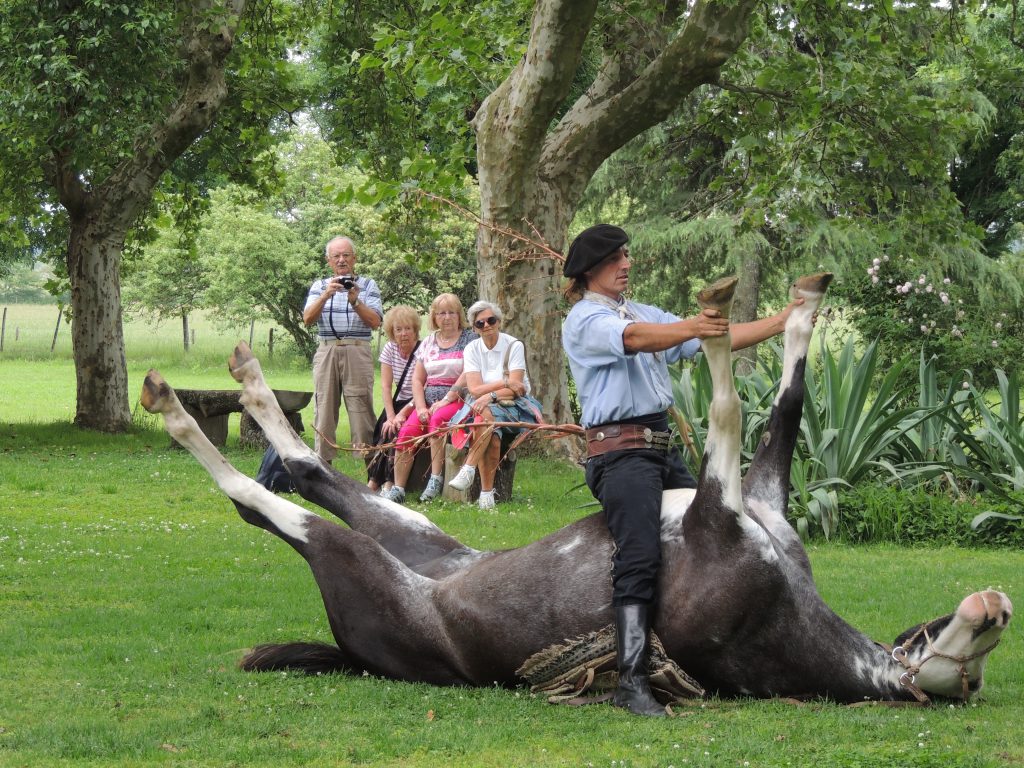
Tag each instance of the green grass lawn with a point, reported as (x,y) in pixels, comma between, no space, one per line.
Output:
(129,589)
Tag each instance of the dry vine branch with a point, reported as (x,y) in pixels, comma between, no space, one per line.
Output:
(540,245)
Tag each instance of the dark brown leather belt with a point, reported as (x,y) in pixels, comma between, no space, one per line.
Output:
(622,437)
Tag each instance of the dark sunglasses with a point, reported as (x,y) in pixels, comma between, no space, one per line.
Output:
(492,320)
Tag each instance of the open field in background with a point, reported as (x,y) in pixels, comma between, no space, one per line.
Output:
(30,327)
(39,386)
(129,589)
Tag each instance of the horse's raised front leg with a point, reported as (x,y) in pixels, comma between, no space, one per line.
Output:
(766,485)
(717,511)
(382,615)
(406,534)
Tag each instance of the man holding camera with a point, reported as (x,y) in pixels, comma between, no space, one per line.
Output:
(346,309)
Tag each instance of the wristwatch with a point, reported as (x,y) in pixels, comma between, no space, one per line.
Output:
(494,397)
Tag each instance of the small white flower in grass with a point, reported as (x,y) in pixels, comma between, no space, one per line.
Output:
(876,262)
(999,326)
(944,298)
(874,279)
(995,344)
(965,385)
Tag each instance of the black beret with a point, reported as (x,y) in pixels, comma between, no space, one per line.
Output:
(591,247)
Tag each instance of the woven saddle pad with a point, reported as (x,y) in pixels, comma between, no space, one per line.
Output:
(584,671)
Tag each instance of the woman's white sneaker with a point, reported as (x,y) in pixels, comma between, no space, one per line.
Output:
(464,478)
(486,500)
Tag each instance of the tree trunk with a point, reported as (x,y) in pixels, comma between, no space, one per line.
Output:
(526,284)
(744,307)
(184,328)
(102,212)
(97,336)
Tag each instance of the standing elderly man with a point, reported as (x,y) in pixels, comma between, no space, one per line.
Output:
(619,353)
(346,309)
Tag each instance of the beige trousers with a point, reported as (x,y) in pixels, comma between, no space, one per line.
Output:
(342,372)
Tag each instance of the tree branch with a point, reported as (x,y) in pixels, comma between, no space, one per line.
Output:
(530,96)
(610,114)
(208,41)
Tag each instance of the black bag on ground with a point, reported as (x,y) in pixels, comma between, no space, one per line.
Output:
(272,475)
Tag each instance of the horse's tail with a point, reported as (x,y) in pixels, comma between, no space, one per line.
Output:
(308,658)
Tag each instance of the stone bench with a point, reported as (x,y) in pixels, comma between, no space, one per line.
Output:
(211,408)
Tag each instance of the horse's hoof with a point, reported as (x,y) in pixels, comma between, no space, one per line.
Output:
(155,392)
(240,357)
(718,295)
(815,284)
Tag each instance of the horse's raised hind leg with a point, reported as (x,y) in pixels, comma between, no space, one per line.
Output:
(766,485)
(382,614)
(406,534)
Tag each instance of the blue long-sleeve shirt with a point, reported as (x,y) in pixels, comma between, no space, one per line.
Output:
(613,384)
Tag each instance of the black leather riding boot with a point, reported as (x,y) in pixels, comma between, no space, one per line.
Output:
(634,691)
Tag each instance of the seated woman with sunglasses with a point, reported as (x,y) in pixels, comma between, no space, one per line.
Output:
(495,375)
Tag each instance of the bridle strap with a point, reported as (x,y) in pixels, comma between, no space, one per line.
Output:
(901,655)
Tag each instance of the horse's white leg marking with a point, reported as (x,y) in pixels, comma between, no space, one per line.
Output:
(287,517)
(722,450)
(261,404)
(797,336)
(674,503)
(767,501)
(723,443)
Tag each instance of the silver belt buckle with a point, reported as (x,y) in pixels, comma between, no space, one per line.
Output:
(648,437)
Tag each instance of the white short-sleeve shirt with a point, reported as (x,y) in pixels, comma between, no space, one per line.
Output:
(489,363)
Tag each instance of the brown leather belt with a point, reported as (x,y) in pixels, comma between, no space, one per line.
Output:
(623,437)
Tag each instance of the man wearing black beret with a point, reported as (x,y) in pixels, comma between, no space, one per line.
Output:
(619,351)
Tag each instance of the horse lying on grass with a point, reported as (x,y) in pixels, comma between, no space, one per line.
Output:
(738,610)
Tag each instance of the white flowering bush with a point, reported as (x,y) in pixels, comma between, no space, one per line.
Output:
(909,309)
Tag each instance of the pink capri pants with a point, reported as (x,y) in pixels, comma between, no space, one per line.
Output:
(413,429)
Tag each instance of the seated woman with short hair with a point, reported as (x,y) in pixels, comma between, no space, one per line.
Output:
(496,379)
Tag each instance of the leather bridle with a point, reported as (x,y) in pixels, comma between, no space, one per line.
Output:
(901,655)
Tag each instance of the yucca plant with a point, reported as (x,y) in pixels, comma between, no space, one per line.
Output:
(691,389)
(852,430)
(994,440)
(934,438)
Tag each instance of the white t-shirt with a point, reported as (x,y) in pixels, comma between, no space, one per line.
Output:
(489,362)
